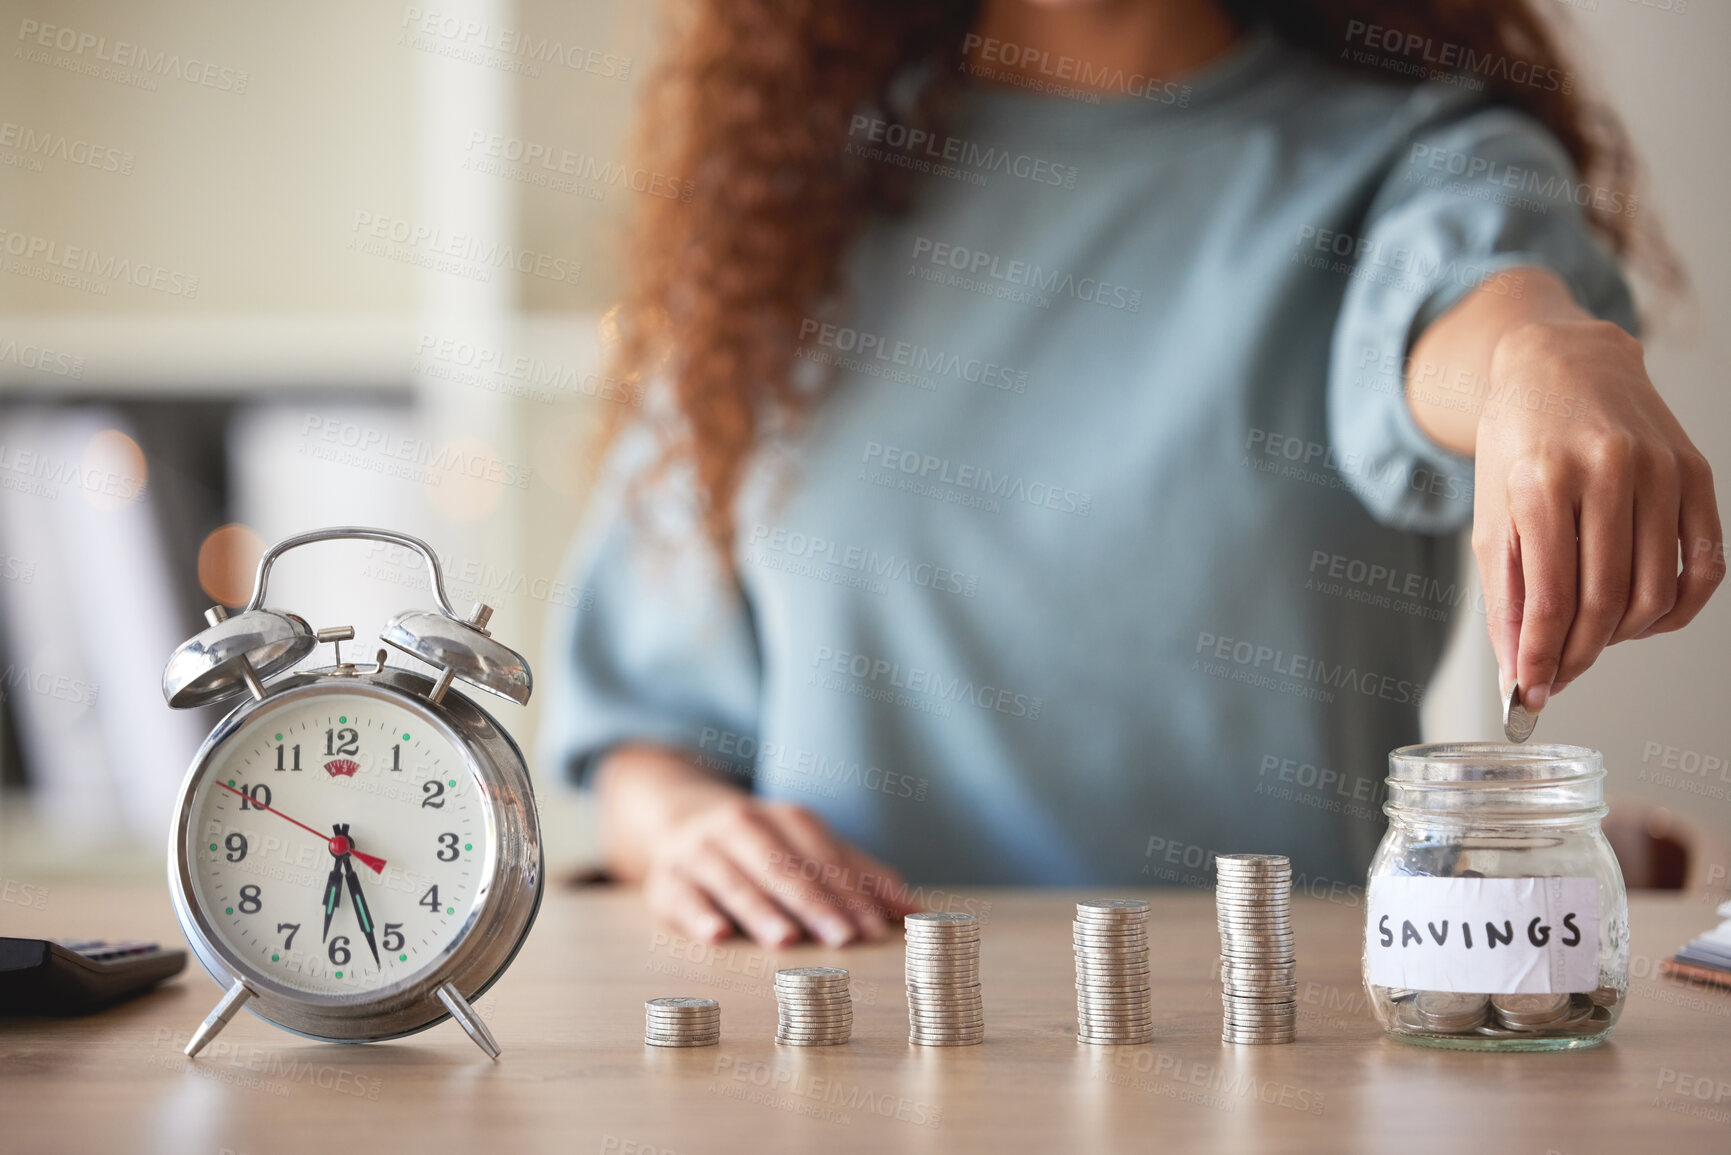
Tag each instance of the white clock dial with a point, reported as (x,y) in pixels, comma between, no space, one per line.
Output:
(396,816)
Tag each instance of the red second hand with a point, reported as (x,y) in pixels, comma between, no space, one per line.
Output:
(377,864)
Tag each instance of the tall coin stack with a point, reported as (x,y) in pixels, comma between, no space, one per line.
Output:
(1113,1001)
(681,1022)
(943,971)
(1259,994)
(814,1006)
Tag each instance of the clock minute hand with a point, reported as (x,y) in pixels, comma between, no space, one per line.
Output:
(362,914)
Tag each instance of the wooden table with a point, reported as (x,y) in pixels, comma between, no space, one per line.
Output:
(575,1075)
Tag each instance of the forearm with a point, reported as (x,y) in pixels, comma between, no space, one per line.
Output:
(1453,358)
(644,791)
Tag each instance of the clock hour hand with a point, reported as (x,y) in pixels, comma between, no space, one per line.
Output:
(362,914)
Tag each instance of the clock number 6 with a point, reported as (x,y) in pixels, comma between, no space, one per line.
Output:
(339,952)
(448,848)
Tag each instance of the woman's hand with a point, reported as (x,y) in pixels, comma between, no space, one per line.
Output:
(712,858)
(1580,503)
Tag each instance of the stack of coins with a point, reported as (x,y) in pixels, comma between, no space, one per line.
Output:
(1451,1013)
(1531,1012)
(1259,995)
(1113,1001)
(943,970)
(681,1022)
(815,1008)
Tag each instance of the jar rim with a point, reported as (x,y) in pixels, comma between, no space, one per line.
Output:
(1468,765)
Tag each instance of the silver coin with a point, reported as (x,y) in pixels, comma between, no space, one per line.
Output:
(804,974)
(938,964)
(683,1004)
(1517,722)
(935,949)
(1449,1002)
(1251,861)
(1531,1004)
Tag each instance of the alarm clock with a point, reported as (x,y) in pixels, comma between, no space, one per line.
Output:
(355,853)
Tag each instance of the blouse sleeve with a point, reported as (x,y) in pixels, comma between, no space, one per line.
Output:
(656,646)
(1465,199)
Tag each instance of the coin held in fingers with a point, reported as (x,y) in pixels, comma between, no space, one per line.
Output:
(1517,723)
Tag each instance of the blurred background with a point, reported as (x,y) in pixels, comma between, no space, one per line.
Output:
(268,269)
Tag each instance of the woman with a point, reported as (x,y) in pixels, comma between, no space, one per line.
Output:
(1063,412)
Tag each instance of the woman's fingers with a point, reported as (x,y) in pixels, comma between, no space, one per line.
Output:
(1703,544)
(757,848)
(1607,534)
(812,840)
(1499,561)
(1544,521)
(684,904)
(1658,497)
(720,876)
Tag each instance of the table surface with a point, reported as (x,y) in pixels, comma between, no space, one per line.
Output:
(575,1075)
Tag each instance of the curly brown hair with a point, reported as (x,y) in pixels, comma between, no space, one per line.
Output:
(752,104)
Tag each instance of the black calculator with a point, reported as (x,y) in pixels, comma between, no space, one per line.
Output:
(74,977)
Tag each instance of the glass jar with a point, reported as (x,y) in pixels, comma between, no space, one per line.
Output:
(1496,914)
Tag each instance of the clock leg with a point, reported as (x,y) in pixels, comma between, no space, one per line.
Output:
(468,1019)
(218,1019)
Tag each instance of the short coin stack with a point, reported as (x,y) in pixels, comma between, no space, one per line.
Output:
(1113,1002)
(681,1022)
(1531,1012)
(1450,1013)
(943,972)
(1259,994)
(815,1008)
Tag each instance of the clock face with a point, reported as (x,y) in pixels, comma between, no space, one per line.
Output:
(338,842)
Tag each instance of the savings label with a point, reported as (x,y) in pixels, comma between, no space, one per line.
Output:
(1494,936)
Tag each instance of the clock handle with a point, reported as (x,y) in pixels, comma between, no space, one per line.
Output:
(356,533)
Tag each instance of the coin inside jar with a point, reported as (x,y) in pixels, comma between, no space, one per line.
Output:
(1450,1011)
